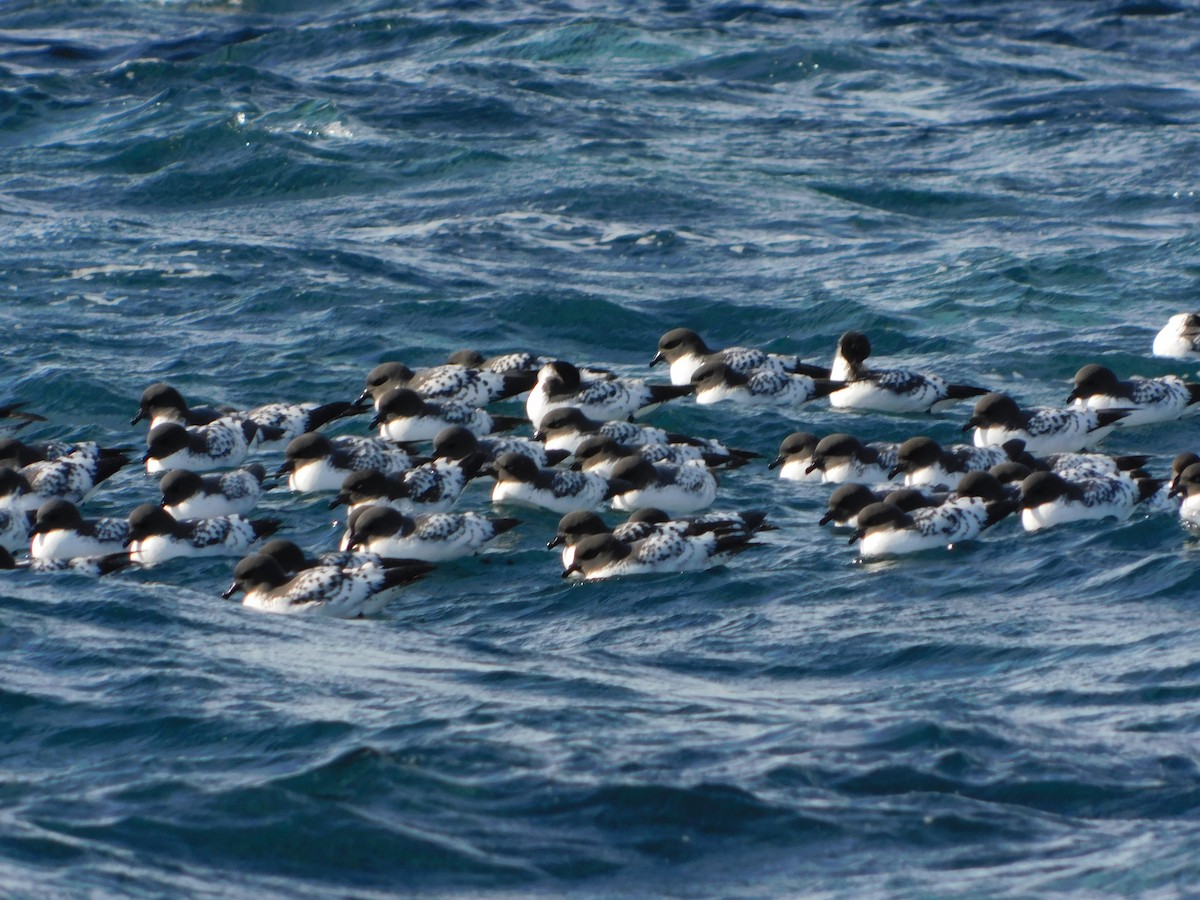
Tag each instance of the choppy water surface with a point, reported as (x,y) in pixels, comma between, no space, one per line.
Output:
(262,201)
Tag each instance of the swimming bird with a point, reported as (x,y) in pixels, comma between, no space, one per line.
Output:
(190,495)
(435,486)
(559,384)
(504,363)
(520,480)
(324,590)
(843,457)
(457,442)
(885,529)
(221,444)
(715,382)
(565,428)
(314,462)
(888,390)
(795,456)
(404,415)
(93,566)
(676,489)
(156,536)
(606,556)
(294,560)
(1187,486)
(997,419)
(371,487)
(18,455)
(520,361)
(72,476)
(1179,338)
(474,387)
(61,532)
(1084,464)
(1168,498)
(1180,462)
(923,461)
(277,423)
(431,487)
(599,454)
(684,351)
(1048,499)
(575,526)
(1147,400)
(846,502)
(433,537)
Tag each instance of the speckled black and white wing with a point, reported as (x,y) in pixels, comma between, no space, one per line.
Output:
(452,412)
(447,527)
(671,551)
(766,387)
(1152,400)
(240,484)
(450,535)
(293,418)
(473,387)
(433,486)
(373,453)
(279,423)
(515,363)
(929,528)
(889,453)
(349,559)
(612,399)
(285,421)
(14,529)
(1062,428)
(974,459)
(956,520)
(1117,494)
(601,400)
(567,485)
(92,566)
(64,478)
(639,531)
(495,446)
(110,529)
(224,441)
(671,454)
(82,450)
(326,591)
(1078,466)
(729,523)
(633,434)
(229,532)
(749,359)
(663,550)
(915,390)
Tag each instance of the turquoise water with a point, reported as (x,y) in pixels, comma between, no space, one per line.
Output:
(261,202)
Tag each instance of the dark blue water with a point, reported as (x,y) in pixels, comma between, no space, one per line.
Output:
(261,201)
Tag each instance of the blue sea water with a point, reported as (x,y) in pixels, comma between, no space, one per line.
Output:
(261,201)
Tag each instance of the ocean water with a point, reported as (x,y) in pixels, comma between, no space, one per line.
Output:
(261,201)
